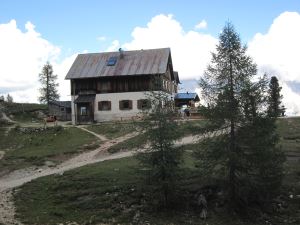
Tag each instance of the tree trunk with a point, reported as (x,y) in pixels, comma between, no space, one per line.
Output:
(232,163)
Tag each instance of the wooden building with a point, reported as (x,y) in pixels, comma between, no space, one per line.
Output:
(60,109)
(187,99)
(113,85)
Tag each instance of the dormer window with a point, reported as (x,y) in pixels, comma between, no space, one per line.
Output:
(112,61)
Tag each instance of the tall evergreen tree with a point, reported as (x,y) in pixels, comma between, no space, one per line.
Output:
(275,107)
(161,157)
(236,114)
(48,90)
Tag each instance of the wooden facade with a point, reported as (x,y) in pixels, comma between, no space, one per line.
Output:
(60,109)
(122,84)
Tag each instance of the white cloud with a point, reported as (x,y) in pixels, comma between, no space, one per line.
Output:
(101,38)
(291,100)
(22,56)
(61,69)
(201,25)
(279,48)
(23,53)
(278,52)
(114,46)
(191,50)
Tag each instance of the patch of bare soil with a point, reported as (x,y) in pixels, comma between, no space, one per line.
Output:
(7,209)
(1,154)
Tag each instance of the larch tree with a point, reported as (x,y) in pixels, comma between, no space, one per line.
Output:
(161,158)
(275,107)
(48,90)
(242,138)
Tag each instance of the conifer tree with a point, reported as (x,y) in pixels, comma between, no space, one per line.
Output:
(275,107)
(161,157)
(48,90)
(236,147)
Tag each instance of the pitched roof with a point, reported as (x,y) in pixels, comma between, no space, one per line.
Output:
(187,96)
(152,61)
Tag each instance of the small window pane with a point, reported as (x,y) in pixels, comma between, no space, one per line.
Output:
(104,106)
(125,105)
(83,111)
(112,61)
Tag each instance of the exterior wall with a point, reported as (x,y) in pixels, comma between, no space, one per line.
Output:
(74,109)
(115,113)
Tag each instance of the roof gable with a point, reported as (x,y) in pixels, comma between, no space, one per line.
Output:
(152,61)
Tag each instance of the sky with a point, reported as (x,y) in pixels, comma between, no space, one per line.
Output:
(33,32)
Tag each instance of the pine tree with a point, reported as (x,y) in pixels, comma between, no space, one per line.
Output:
(161,157)
(275,108)
(48,91)
(236,147)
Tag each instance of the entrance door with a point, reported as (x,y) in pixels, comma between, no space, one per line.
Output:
(85,113)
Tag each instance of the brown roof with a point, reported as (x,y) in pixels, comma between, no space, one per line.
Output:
(152,61)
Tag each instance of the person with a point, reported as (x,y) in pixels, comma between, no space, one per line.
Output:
(55,120)
(187,112)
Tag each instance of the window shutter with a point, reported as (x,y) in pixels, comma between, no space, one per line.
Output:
(99,106)
(130,104)
(139,104)
(120,105)
(109,105)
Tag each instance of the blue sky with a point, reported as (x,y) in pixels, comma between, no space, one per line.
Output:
(34,31)
(75,25)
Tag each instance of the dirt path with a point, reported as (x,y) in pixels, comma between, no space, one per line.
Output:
(101,137)
(1,154)
(7,209)
(20,177)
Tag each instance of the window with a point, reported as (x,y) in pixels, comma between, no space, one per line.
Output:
(83,111)
(125,105)
(104,106)
(62,109)
(143,104)
(112,61)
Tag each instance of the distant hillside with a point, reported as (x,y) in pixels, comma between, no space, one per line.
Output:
(20,111)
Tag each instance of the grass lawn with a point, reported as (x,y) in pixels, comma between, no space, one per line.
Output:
(24,112)
(112,192)
(34,149)
(115,192)
(113,130)
(289,131)
(130,144)
(188,127)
